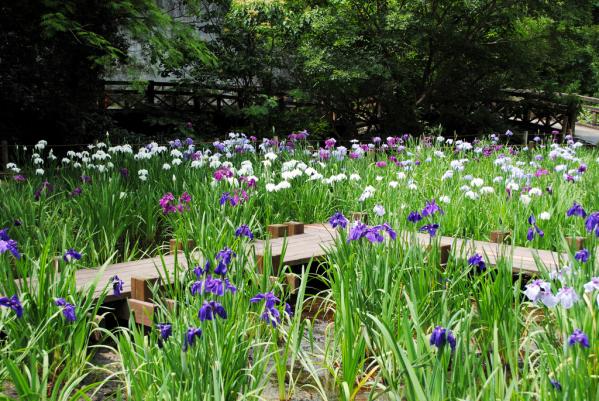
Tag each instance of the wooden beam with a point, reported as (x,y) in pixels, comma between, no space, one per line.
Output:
(277,230)
(141,288)
(294,228)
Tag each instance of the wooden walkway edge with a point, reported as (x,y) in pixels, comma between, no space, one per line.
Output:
(312,243)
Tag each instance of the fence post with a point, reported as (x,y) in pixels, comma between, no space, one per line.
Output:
(150,92)
(4,154)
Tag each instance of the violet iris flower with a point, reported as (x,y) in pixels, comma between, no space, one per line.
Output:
(534,229)
(68,310)
(199,271)
(579,337)
(117,285)
(539,290)
(442,336)
(431,208)
(224,258)
(70,255)
(338,220)
(556,385)
(12,303)
(477,260)
(166,203)
(358,231)
(270,313)
(211,308)
(430,228)
(190,337)
(244,231)
(166,330)
(576,210)
(46,186)
(373,234)
(414,217)
(8,244)
(592,223)
(215,286)
(582,255)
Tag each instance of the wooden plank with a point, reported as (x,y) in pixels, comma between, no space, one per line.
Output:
(150,268)
(294,228)
(317,237)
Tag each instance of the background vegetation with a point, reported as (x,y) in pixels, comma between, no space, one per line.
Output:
(401,64)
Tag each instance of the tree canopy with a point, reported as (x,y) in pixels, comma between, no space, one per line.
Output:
(401,64)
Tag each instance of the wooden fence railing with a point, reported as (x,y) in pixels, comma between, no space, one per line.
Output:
(589,111)
(525,107)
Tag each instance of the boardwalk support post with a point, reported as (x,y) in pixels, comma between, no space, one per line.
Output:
(575,243)
(176,245)
(294,228)
(444,256)
(500,237)
(359,216)
(277,230)
(3,154)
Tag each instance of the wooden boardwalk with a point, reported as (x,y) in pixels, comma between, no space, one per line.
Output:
(313,244)
(152,268)
(317,238)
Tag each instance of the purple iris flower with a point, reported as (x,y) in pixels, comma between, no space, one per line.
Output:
(224,198)
(117,285)
(477,260)
(431,208)
(338,220)
(374,234)
(358,231)
(18,223)
(190,337)
(576,210)
(124,172)
(390,231)
(46,186)
(244,231)
(592,223)
(442,336)
(414,217)
(539,290)
(211,308)
(224,258)
(76,192)
(288,309)
(270,313)
(199,271)
(534,229)
(430,228)
(579,337)
(556,385)
(166,330)
(582,255)
(8,244)
(70,255)
(12,303)
(269,298)
(271,316)
(215,286)
(86,179)
(68,310)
